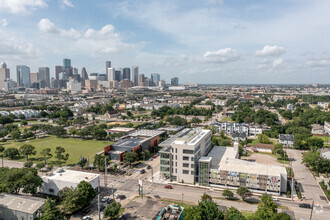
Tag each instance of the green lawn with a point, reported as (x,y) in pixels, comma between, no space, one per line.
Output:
(324,138)
(256,141)
(226,119)
(74,147)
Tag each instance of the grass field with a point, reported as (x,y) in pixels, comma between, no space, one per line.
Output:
(74,147)
(324,138)
(226,119)
(256,141)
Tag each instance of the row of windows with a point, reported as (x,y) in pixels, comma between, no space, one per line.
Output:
(187,172)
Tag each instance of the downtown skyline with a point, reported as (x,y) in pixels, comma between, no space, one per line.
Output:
(214,41)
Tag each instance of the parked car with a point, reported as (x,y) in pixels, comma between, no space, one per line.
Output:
(142,171)
(87,217)
(168,187)
(155,156)
(110,201)
(104,199)
(275,199)
(102,207)
(305,205)
(116,196)
(86,211)
(148,167)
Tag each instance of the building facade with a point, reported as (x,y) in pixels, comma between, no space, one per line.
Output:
(23,76)
(135,75)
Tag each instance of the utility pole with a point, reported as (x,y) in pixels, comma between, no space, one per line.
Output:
(312,210)
(98,206)
(182,200)
(105,172)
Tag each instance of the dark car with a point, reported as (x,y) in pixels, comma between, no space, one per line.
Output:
(104,199)
(102,207)
(148,167)
(110,201)
(305,205)
(142,171)
(121,197)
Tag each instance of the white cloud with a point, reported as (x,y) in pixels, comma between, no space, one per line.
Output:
(45,25)
(273,51)
(3,22)
(215,2)
(277,62)
(68,3)
(225,55)
(319,63)
(21,6)
(104,32)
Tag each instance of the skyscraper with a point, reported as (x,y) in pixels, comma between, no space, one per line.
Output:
(155,78)
(58,70)
(141,80)
(107,65)
(44,75)
(67,68)
(127,73)
(135,75)
(23,76)
(174,81)
(111,74)
(118,75)
(34,77)
(4,75)
(84,74)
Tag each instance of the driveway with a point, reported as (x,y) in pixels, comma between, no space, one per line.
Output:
(310,187)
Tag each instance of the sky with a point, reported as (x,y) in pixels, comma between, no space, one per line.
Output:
(202,41)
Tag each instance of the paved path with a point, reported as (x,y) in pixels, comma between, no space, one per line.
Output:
(11,163)
(311,190)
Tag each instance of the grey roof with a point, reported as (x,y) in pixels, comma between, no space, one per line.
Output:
(128,142)
(286,137)
(25,204)
(239,135)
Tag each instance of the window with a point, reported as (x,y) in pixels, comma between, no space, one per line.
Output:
(176,157)
(192,172)
(192,165)
(185,164)
(176,171)
(185,171)
(188,151)
(185,158)
(197,148)
(176,164)
(176,150)
(192,158)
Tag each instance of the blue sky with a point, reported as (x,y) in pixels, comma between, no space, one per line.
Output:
(211,41)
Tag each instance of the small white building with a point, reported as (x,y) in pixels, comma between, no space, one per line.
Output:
(62,178)
(286,139)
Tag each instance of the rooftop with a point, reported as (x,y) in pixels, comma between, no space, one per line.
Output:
(218,153)
(286,137)
(128,142)
(120,129)
(25,204)
(191,136)
(71,176)
(146,133)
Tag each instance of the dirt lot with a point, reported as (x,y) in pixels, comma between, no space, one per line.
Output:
(145,208)
(264,159)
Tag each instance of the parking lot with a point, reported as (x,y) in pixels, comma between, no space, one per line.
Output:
(264,159)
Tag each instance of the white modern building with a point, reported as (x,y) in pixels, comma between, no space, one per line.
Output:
(180,155)
(62,178)
(74,86)
(222,168)
(230,128)
(286,139)
(327,127)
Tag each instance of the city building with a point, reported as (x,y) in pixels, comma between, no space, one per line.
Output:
(127,73)
(155,78)
(222,168)
(286,139)
(14,206)
(135,75)
(175,81)
(137,141)
(118,75)
(125,84)
(4,75)
(84,74)
(141,80)
(113,84)
(34,77)
(44,75)
(58,70)
(74,86)
(111,74)
(91,85)
(180,154)
(120,130)
(317,129)
(107,65)
(327,127)
(62,178)
(230,128)
(23,76)
(67,68)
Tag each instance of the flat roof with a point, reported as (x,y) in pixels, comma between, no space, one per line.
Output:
(128,142)
(218,153)
(71,176)
(191,136)
(146,133)
(25,204)
(121,129)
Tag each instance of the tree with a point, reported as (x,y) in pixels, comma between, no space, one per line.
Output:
(40,165)
(59,155)
(58,131)
(131,157)
(28,164)
(46,154)
(84,132)
(27,149)
(266,208)
(73,131)
(233,214)
(112,211)
(15,134)
(87,191)
(264,139)
(50,211)
(281,216)
(11,152)
(99,162)
(23,123)
(206,197)
(227,193)
(22,117)
(243,192)
(99,133)
(195,120)
(6,120)
(82,162)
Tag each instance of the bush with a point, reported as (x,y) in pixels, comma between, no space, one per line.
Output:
(40,165)
(28,164)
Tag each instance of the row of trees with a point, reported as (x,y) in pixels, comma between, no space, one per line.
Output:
(207,209)
(186,110)
(314,160)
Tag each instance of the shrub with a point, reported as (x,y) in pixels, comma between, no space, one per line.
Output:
(28,164)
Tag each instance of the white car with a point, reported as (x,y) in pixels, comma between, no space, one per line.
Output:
(116,196)
(87,217)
